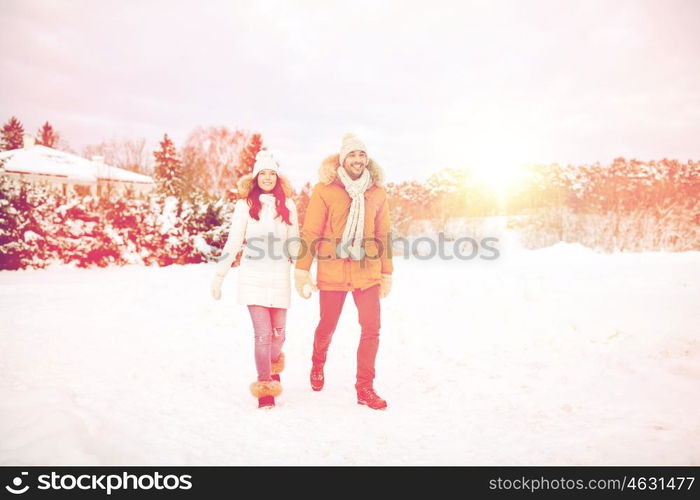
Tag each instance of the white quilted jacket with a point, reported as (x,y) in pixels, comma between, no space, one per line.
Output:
(264,272)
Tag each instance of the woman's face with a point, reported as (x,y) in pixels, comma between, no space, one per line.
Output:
(267,179)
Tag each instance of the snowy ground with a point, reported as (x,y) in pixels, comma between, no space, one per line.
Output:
(555,356)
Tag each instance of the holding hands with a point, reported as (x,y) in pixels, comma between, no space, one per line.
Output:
(304,283)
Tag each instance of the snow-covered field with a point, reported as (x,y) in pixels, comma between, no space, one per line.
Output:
(555,356)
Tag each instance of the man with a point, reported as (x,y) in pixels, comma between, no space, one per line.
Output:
(346,227)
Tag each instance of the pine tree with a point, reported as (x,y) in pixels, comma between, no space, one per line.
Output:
(301,200)
(168,169)
(247,162)
(47,136)
(12,135)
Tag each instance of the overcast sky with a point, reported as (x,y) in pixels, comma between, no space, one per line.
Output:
(425,84)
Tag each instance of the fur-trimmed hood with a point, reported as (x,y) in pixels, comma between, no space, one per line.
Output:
(327,171)
(245,184)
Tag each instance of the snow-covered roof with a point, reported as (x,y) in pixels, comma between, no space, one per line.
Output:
(48,161)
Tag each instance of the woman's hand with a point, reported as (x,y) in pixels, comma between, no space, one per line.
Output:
(216,286)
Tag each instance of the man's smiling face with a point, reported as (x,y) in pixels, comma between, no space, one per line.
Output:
(355,163)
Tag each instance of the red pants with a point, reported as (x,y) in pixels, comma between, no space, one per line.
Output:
(367,302)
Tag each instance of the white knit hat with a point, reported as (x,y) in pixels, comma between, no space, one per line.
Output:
(265,161)
(350,143)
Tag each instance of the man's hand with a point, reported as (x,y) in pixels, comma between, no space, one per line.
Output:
(216,286)
(304,283)
(385,286)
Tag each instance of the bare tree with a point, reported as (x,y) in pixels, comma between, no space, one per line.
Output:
(105,149)
(133,155)
(211,157)
(129,154)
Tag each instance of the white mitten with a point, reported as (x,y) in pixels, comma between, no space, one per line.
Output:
(385,286)
(216,286)
(304,283)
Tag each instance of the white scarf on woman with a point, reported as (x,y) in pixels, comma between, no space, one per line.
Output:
(265,223)
(351,244)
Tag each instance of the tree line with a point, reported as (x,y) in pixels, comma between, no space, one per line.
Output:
(209,162)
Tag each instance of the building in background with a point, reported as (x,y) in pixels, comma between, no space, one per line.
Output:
(71,173)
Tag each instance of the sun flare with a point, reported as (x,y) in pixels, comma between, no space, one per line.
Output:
(498,174)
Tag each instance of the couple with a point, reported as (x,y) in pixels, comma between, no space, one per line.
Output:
(346,227)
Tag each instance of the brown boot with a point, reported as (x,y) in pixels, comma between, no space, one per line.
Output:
(316,377)
(266,402)
(367,396)
(265,391)
(277,365)
(276,368)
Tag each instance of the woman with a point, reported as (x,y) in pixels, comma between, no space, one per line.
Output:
(265,217)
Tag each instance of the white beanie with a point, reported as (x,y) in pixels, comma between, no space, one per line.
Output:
(265,161)
(350,143)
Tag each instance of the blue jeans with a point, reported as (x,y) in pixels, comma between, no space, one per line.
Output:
(268,327)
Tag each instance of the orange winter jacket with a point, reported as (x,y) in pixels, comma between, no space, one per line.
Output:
(323,227)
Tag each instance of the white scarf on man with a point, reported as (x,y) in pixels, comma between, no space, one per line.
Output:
(351,244)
